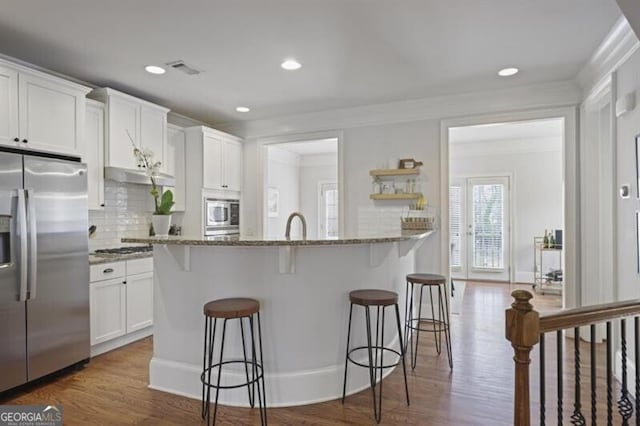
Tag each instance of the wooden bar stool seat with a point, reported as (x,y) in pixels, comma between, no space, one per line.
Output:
(437,323)
(380,300)
(427,279)
(236,307)
(243,310)
(373,297)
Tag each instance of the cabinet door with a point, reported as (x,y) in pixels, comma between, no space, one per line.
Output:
(175,161)
(124,117)
(232,165)
(139,301)
(51,115)
(108,310)
(212,163)
(8,107)
(153,133)
(94,140)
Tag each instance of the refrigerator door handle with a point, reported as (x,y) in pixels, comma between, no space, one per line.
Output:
(22,224)
(33,245)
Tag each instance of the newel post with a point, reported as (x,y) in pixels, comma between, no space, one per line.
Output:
(523,331)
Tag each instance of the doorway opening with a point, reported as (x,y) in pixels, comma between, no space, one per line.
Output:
(302,176)
(506,203)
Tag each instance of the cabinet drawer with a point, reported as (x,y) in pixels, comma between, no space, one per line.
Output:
(106,271)
(139,266)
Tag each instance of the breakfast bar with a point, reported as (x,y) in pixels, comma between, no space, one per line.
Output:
(302,287)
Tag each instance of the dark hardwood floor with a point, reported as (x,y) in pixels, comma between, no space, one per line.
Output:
(112,389)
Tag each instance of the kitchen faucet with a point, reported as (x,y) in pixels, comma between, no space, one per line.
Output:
(287,233)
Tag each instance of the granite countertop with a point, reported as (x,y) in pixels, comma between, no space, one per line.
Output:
(258,242)
(97,259)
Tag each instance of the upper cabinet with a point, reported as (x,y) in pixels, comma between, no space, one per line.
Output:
(94,137)
(176,140)
(131,121)
(221,157)
(41,112)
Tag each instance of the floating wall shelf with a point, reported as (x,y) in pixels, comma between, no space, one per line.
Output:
(403,196)
(395,172)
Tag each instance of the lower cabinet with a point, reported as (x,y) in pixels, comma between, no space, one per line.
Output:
(121,295)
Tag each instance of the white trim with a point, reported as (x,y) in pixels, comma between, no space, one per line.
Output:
(618,45)
(320,206)
(546,95)
(261,169)
(126,339)
(571,295)
(23,66)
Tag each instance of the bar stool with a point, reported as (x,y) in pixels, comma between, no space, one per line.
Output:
(439,325)
(229,309)
(378,299)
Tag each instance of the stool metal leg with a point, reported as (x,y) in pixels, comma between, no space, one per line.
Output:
(371,365)
(416,330)
(381,345)
(262,396)
(403,353)
(346,356)
(215,404)
(408,315)
(250,389)
(437,336)
(205,405)
(446,323)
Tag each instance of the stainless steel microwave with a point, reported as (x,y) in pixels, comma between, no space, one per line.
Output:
(222,217)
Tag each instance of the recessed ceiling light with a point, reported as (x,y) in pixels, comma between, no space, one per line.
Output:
(154,69)
(506,72)
(291,65)
(243,109)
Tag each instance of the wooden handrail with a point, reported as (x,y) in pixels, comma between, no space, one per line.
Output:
(523,329)
(578,317)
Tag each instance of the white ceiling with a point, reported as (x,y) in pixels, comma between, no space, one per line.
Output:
(536,129)
(354,52)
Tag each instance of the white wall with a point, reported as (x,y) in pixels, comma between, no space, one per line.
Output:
(313,169)
(283,173)
(535,167)
(628,126)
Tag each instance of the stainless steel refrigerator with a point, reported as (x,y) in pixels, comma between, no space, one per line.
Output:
(44,269)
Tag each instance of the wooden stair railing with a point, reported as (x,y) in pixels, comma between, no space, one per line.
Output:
(526,328)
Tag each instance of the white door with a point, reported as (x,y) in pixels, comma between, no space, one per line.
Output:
(124,122)
(94,140)
(479,229)
(9,107)
(139,301)
(153,133)
(232,152)
(212,163)
(328,210)
(108,310)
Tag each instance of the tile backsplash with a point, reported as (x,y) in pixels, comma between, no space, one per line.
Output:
(127,213)
(380,221)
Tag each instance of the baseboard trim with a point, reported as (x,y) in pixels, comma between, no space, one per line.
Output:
(283,390)
(110,345)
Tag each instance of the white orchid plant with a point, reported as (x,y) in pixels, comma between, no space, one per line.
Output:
(163,200)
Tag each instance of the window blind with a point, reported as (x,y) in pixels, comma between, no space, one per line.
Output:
(455,225)
(488,226)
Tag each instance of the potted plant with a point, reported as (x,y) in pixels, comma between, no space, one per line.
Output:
(163,200)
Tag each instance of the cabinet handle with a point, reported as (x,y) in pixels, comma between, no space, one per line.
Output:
(16,139)
(102,205)
(108,271)
(24,141)
(124,282)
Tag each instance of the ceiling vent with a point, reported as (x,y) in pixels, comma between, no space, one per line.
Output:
(181,66)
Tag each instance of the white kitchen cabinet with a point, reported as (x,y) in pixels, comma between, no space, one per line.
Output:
(139,301)
(175,165)
(130,119)
(121,303)
(94,141)
(41,112)
(213,170)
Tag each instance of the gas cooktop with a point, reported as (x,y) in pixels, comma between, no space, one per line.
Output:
(125,250)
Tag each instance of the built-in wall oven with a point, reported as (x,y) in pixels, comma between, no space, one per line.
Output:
(222,217)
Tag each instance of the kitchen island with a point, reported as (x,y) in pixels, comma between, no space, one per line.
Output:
(303,288)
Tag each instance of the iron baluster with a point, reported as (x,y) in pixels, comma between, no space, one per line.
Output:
(593,376)
(559,360)
(609,366)
(625,407)
(577,418)
(542,382)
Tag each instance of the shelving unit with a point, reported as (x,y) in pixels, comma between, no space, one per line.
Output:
(542,283)
(388,175)
(395,172)
(401,196)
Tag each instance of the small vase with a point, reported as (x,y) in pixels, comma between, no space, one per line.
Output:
(161,224)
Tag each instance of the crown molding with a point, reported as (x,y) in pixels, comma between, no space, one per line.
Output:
(618,45)
(561,93)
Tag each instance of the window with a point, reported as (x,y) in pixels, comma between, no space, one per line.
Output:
(488,226)
(455,225)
